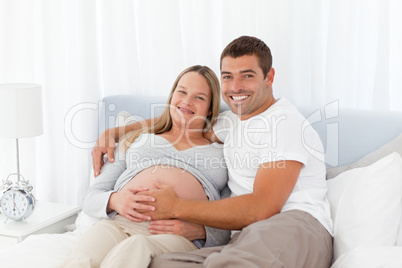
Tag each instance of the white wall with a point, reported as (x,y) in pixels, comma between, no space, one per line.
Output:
(80,51)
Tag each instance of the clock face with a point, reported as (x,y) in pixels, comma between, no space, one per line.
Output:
(15,204)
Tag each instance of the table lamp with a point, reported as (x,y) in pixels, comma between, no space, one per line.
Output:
(20,113)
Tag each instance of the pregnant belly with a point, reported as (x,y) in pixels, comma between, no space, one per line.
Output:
(183,182)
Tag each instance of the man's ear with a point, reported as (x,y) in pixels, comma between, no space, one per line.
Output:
(270,77)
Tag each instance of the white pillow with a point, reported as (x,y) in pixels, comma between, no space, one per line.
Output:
(393,146)
(84,221)
(124,118)
(366,205)
(371,257)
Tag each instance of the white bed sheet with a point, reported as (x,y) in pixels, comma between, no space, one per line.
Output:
(39,251)
(49,250)
(45,250)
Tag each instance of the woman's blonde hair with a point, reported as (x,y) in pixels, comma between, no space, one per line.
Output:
(164,122)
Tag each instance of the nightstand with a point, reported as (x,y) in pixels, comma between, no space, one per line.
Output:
(48,218)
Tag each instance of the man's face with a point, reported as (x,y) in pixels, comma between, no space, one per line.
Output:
(244,87)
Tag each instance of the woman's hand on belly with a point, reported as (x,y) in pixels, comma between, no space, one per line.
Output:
(191,231)
(126,203)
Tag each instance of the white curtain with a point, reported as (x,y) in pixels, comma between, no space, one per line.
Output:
(81,51)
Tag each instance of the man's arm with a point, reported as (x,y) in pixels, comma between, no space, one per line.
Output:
(107,142)
(273,184)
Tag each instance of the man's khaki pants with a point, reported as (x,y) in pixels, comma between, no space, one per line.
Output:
(123,243)
(291,239)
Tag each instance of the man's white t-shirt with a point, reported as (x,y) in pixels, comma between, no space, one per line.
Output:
(279,133)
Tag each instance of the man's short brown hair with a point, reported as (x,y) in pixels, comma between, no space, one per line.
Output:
(249,45)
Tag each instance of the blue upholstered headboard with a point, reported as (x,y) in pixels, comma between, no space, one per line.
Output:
(347,134)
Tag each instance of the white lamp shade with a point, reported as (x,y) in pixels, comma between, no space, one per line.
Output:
(20,110)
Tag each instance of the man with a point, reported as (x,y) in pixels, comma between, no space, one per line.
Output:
(278,187)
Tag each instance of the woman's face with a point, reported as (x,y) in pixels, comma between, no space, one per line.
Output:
(191,101)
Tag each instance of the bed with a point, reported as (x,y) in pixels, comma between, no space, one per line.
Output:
(358,144)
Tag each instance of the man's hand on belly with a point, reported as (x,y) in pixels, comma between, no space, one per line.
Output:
(165,202)
(129,201)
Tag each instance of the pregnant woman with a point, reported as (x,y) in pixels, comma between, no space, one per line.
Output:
(172,151)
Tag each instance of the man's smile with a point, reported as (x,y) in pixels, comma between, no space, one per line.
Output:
(239,97)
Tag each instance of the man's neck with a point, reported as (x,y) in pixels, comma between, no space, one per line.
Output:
(270,102)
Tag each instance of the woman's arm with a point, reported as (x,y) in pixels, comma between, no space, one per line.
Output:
(103,201)
(216,236)
(126,203)
(191,231)
(97,198)
(202,236)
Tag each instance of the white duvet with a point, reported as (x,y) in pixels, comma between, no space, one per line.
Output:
(49,250)
(44,250)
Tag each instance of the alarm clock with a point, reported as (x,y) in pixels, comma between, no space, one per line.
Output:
(17,201)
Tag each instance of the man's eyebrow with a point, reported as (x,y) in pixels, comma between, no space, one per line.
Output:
(248,71)
(243,71)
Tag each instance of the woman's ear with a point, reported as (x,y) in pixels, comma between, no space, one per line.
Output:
(209,112)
